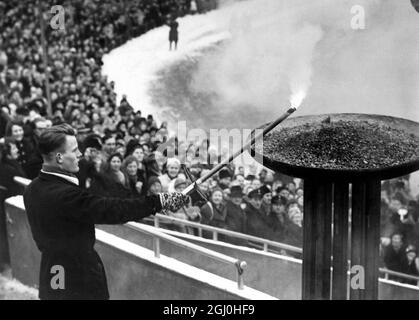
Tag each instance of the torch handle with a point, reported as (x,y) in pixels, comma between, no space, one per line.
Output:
(239,152)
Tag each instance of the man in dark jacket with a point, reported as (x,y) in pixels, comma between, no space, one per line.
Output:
(236,217)
(62,217)
(258,224)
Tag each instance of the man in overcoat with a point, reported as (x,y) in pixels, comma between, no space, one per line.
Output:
(62,217)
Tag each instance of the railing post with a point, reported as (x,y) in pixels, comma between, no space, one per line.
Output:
(156,246)
(200,232)
(156,222)
(265,247)
(240,265)
(215,236)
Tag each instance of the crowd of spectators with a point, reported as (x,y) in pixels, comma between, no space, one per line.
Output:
(400,228)
(121,147)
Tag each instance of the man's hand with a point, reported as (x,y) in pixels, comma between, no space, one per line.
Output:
(173,201)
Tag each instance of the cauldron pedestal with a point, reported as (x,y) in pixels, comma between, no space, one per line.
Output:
(332,234)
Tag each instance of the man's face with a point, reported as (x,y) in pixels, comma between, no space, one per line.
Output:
(17,132)
(236,200)
(226,181)
(68,159)
(256,202)
(396,241)
(155,188)
(284,193)
(132,168)
(181,187)
(267,197)
(138,154)
(110,145)
(278,208)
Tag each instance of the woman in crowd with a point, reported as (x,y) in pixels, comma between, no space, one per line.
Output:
(25,149)
(214,212)
(130,168)
(10,168)
(294,229)
(172,171)
(154,186)
(134,149)
(112,182)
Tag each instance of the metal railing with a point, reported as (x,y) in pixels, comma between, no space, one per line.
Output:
(240,265)
(265,243)
(388,273)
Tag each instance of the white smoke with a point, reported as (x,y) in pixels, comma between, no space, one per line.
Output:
(278,44)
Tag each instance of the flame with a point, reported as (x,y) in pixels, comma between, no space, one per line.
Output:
(297,98)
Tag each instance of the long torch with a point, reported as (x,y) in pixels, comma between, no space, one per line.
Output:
(222,164)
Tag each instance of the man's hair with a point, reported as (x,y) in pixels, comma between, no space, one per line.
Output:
(53,138)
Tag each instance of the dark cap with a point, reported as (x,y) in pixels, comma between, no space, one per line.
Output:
(236,191)
(279,200)
(224,174)
(255,194)
(250,177)
(264,190)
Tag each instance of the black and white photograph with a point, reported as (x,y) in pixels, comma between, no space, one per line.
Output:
(220,152)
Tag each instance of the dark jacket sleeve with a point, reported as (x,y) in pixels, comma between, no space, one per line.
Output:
(82,206)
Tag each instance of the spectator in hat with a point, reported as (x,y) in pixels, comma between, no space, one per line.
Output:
(257,223)
(236,218)
(224,179)
(394,254)
(154,185)
(283,192)
(91,148)
(279,211)
(410,265)
(266,206)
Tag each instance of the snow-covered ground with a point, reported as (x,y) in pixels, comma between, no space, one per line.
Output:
(134,65)
(11,289)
